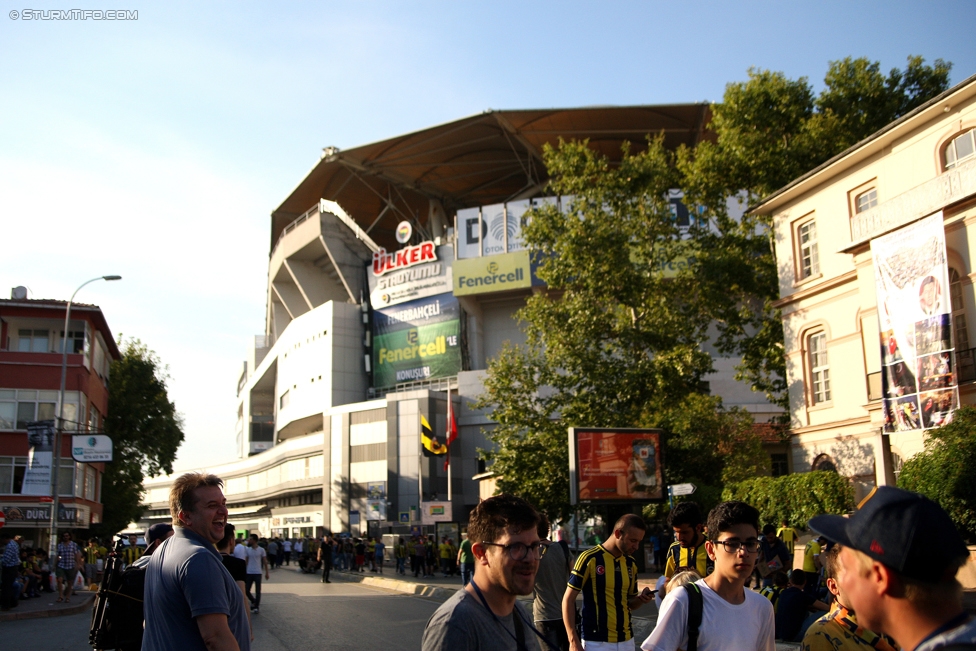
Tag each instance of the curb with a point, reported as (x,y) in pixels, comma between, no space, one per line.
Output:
(436,593)
(73,609)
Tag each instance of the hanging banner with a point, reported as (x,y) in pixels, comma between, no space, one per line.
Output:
(392,284)
(918,373)
(417,341)
(37,476)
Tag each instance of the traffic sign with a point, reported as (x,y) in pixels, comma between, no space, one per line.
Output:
(683,489)
(3,519)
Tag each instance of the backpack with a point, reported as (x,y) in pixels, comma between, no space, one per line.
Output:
(695,608)
(117,615)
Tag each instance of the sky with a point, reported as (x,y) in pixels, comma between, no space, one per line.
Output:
(156,148)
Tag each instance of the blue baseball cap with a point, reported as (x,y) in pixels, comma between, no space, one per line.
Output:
(905,531)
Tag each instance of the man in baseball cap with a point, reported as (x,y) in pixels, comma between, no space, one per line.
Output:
(155,536)
(899,556)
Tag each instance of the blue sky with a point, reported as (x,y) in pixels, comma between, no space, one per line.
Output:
(157,148)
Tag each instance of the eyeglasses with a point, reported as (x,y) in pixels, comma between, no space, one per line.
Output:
(518,551)
(733,546)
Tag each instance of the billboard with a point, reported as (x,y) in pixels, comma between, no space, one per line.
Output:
(496,273)
(392,283)
(622,465)
(918,377)
(432,512)
(417,340)
(37,476)
(500,229)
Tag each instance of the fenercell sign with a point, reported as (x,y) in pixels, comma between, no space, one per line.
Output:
(417,340)
(495,273)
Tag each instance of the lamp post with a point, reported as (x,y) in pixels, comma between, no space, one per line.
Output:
(56,461)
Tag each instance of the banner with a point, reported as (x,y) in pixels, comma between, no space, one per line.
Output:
(435,512)
(417,340)
(914,316)
(615,464)
(37,476)
(500,224)
(408,283)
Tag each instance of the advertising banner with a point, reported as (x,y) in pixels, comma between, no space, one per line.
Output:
(500,223)
(37,476)
(88,448)
(615,465)
(496,273)
(391,285)
(432,512)
(918,376)
(417,340)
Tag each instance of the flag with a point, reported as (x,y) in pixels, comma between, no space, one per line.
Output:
(451,429)
(431,446)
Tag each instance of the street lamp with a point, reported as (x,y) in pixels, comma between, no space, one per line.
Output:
(56,461)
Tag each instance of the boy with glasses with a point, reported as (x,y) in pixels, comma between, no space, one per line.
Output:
(484,614)
(733,618)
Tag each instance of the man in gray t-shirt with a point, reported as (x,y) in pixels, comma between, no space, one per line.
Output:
(550,586)
(484,615)
(191,601)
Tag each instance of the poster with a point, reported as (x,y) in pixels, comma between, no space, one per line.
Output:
(37,476)
(407,283)
(417,340)
(616,464)
(918,376)
(432,512)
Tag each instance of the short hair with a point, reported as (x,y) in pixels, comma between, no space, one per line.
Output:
(933,599)
(496,515)
(630,521)
(769,529)
(798,577)
(229,534)
(544,527)
(780,580)
(182,495)
(682,577)
(831,562)
(728,514)
(685,513)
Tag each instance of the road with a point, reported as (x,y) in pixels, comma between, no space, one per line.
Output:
(297,613)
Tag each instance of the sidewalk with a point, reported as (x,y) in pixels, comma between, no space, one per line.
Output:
(46,606)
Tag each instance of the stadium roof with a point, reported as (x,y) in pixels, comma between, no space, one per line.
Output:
(479,160)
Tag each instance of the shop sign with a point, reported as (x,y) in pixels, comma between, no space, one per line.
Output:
(90,448)
(495,273)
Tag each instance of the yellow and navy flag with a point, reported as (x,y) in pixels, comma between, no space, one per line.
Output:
(432,447)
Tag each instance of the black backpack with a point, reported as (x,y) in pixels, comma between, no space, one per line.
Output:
(117,615)
(695,607)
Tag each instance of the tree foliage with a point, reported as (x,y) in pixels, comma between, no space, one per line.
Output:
(614,341)
(145,428)
(946,471)
(794,498)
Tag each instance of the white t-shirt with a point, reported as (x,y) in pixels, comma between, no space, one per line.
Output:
(286,545)
(254,556)
(240,551)
(724,627)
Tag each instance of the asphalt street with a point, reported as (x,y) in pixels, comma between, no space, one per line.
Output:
(297,613)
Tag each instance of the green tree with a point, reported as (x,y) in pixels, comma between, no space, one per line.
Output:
(946,471)
(616,341)
(145,428)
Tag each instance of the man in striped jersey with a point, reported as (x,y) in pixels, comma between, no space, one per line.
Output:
(688,550)
(607,577)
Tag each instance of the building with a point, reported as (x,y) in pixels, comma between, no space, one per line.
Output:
(31,345)
(859,401)
(394,275)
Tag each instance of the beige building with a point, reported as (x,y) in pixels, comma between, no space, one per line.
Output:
(824,222)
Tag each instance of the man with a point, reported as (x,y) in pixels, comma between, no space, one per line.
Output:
(155,536)
(838,630)
(191,600)
(811,555)
(733,618)
(899,557)
(67,563)
(257,561)
(10,566)
(484,614)
(379,549)
(607,577)
(688,550)
(240,550)
(272,552)
(794,608)
(285,551)
(550,584)
(465,560)
(133,552)
(774,553)
(325,557)
(787,534)
(92,554)
(417,556)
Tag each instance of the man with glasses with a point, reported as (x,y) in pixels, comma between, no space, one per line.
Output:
(484,614)
(733,618)
(607,577)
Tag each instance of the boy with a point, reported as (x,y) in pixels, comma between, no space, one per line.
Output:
(733,618)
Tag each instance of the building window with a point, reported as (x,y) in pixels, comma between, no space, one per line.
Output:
(866,200)
(780,464)
(959,329)
(76,342)
(33,341)
(284,399)
(819,368)
(960,149)
(824,462)
(809,253)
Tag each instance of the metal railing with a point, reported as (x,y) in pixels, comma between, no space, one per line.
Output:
(435,384)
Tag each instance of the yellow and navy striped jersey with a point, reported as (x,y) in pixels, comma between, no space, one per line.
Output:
(788,536)
(772,593)
(132,554)
(695,557)
(608,583)
(91,555)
